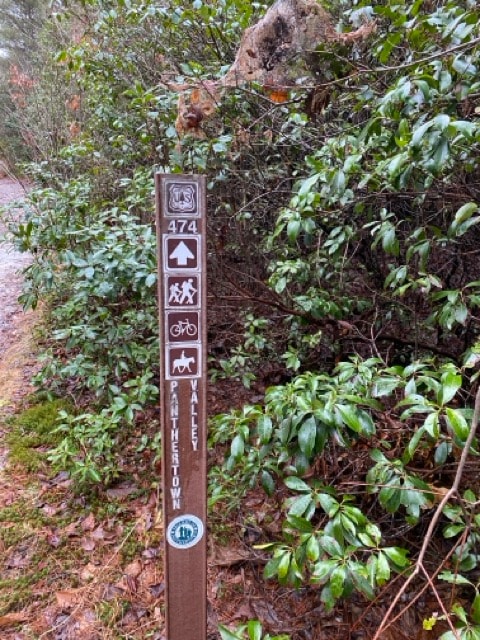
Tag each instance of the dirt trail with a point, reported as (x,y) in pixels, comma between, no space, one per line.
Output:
(15,325)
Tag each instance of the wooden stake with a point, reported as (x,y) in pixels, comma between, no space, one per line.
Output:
(181,214)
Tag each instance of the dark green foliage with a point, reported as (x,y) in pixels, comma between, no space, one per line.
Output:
(345,221)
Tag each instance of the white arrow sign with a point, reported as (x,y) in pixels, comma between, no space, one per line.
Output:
(181,254)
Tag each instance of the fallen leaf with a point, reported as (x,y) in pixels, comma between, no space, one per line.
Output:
(121,491)
(226,557)
(132,616)
(98,533)
(244,612)
(113,591)
(88,524)
(11,619)
(71,529)
(69,598)
(18,559)
(134,569)
(60,478)
(132,584)
(87,543)
(264,611)
(88,572)
(50,510)
(114,532)
(157,589)
(84,622)
(54,540)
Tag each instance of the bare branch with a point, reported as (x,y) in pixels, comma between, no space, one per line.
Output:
(433,522)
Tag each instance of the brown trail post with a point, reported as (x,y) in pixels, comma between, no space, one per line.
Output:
(180,215)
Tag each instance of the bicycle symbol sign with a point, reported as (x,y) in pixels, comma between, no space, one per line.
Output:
(183,326)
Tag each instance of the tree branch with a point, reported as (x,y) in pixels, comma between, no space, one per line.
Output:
(433,522)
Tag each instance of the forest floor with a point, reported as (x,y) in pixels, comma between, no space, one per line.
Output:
(89,566)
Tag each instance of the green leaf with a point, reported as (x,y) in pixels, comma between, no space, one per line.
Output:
(313,549)
(475,610)
(390,497)
(327,598)
(464,126)
(284,564)
(384,386)
(442,121)
(453,578)
(268,483)
(374,531)
(432,425)
(389,241)
(264,428)
(413,444)
(296,484)
(328,504)
(452,530)
(465,212)
(331,546)
(377,456)
(254,630)
(337,580)
(226,634)
(322,570)
(397,555)
(308,184)
(237,448)
(383,569)
(419,133)
(307,436)
(338,182)
(440,155)
(450,384)
(300,505)
(449,635)
(441,453)
(150,279)
(458,423)
(293,228)
(350,416)
(301,524)
(271,568)
(362,584)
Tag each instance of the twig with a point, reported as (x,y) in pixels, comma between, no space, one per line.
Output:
(433,522)
(415,598)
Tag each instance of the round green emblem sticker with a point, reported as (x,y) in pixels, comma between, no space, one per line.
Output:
(185,531)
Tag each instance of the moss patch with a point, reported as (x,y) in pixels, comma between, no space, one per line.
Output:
(32,434)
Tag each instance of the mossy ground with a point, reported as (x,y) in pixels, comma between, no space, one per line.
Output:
(86,565)
(32,433)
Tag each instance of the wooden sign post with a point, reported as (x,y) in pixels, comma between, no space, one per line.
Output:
(181,212)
